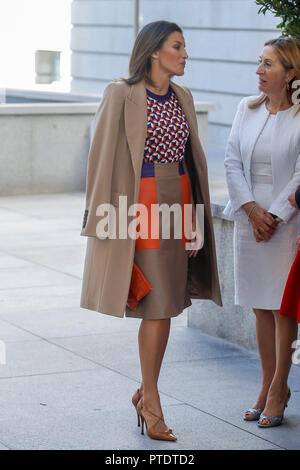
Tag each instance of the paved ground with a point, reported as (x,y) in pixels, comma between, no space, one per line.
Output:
(70,372)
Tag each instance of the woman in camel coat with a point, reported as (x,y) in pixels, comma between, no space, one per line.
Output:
(115,165)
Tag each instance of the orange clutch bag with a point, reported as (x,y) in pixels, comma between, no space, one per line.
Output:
(139,287)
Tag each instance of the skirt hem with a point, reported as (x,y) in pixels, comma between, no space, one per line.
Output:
(144,316)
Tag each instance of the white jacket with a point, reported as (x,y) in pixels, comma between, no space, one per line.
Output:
(285,158)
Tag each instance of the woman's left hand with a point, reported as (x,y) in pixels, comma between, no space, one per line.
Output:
(197,240)
(193,253)
(258,236)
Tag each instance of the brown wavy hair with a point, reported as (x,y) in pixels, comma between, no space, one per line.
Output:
(150,39)
(288,52)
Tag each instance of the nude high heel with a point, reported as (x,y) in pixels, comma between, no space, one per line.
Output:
(160,435)
(135,399)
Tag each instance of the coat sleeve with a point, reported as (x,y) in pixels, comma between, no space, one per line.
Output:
(281,205)
(104,135)
(238,188)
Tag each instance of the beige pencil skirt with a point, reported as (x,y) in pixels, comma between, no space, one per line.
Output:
(163,258)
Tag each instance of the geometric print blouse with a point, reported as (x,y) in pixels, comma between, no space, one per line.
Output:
(167,128)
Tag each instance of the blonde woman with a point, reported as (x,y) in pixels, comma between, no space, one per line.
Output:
(146,149)
(262,166)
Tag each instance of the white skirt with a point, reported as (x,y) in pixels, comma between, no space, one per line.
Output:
(261,269)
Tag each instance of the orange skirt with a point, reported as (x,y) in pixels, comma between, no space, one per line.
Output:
(290,305)
(163,261)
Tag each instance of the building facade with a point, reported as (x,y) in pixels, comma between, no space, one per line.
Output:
(224,39)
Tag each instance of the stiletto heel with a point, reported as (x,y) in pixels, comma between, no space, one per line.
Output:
(135,399)
(142,428)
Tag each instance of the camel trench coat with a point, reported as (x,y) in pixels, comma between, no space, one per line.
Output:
(114,169)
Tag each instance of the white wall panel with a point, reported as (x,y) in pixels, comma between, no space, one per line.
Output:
(102,39)
(93,86)
(240,46)
(208,13)
(98,66)
(115,12)
(221,77)
(226,106)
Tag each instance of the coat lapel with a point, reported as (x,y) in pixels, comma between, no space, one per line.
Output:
(186,107)
(251,131)
(136,123)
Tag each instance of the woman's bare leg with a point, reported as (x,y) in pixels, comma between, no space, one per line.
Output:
(265,335)
(164,342)
(286,334)
(153,338)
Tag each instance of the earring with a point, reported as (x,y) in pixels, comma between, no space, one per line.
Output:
(288,86)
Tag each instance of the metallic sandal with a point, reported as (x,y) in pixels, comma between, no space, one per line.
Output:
(274,420)
(254,414)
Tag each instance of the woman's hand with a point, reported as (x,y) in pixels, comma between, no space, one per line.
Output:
(257,236)
(260,238)
(262,222)
(193,253)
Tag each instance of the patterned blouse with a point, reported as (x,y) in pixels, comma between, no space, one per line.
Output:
(167,129)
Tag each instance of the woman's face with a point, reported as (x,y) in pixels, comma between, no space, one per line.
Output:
(273,78)
(171,57)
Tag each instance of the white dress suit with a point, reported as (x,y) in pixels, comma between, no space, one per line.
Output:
(261,269)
